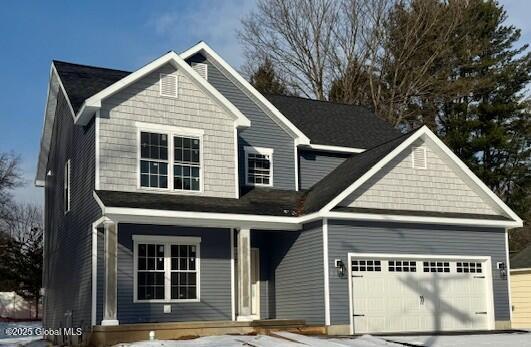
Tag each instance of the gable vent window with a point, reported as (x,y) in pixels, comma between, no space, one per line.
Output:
(419,159)
(201,69)
(168,85)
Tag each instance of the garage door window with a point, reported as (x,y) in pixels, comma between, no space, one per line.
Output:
(436,266)
(402,266)
(366,265)
(468,267)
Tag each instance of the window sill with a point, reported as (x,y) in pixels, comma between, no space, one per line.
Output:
(175,301)
(258,185)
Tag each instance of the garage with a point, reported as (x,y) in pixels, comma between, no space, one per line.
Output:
(415,293)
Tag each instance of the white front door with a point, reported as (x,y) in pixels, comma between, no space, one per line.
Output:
(255,282)
(401,294)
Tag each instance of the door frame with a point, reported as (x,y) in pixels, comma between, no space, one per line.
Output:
(488,277)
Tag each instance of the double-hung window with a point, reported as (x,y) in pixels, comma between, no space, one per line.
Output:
(170,159)
(258,166)
(166,268)
(153,160)
(187,164)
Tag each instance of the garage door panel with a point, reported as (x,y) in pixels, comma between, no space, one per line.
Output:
(418,294)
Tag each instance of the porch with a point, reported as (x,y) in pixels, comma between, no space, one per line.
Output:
(245,281)
(111,335)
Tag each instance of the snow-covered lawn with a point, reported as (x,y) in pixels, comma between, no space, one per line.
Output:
(483,340)
(285,339)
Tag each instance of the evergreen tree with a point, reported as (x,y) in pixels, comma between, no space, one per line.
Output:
(266,80)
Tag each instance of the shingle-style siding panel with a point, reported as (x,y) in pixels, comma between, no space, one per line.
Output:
(142,102)
(215,288)
(438,188)
(314,165)
(68,238)
(359,237)
(264,132)
(297,259)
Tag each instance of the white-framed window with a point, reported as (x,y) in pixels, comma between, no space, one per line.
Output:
(418,157)
(166,268)
(153,160)
(168,85)
(258,166)
(362,265)
(170,158)
(66,185)
(436,266)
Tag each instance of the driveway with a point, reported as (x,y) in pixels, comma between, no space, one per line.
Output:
(516,339)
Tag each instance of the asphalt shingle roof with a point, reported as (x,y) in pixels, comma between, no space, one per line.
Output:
(83,81)
(329,123)
(522,259)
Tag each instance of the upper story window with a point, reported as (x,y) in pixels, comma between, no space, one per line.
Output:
(170,159)
(153,160)
(258,166)
(166,268)
(187,165)
(66,186)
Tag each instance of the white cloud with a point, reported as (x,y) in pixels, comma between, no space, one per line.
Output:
(215,22)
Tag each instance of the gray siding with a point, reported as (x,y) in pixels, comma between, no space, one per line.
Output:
(297,259)
(141,102)
(314,165)
(215,291)
(262,241)
(441,187)
(348,236)
(68,238)
(264,132)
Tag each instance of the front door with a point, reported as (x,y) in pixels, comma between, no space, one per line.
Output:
(255,282)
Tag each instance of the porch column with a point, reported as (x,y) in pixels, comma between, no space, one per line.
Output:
(244,274)
(111,270)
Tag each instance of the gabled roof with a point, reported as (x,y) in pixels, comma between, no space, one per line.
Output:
(347,173)
(247,88)
(93,103)
(522,259)
(334,124)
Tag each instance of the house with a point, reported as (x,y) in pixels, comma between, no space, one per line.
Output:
(178,194)
(521,288)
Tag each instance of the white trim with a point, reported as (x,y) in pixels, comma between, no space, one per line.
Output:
(328,148)
(169,128)
(521,270)
(326,272)
(94,257)
(236,165)
(426,132)
(263,151)
(488,277)
(167,241)
(296,155)
(258,281)
(93,103)
(508,269)
(232,274)
(97,150)
(418,219)
(278,116)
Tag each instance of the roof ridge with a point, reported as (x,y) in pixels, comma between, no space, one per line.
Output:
(89,66)
(317,100)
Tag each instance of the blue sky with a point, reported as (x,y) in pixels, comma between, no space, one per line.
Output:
(102,33)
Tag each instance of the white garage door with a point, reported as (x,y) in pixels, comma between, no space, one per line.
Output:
(420,293)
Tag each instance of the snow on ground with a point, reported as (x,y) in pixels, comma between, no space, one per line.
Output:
(483,340)
(277,339)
